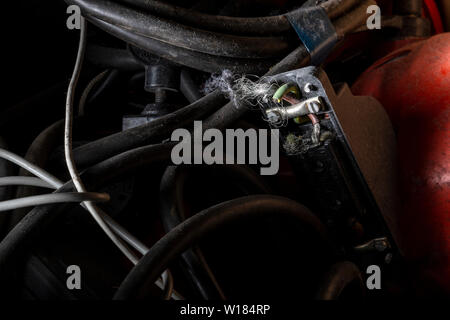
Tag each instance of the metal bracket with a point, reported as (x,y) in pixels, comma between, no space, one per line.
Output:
(315,30)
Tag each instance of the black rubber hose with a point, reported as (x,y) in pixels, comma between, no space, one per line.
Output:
(104,148)
(408,7)
(196,60)
(172,188)
(127,163)
(166,31)
(113,58)
(188,87)
(38,219)
(38,154)
(341,277)
(337,8)
(353,19)
(234,25)
(189,232)
(237,25)
(104,86)
(195,266)
(35,106)
(94,152)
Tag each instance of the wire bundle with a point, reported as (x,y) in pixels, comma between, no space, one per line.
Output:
(240,44)
(201,41)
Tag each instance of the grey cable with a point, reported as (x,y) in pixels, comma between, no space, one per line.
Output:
(87,91)
(38,172)
(79,186)
(24,181)
(56,184)
(94,211)
(52,198)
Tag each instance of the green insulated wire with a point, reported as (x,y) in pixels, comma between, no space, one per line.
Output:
(284,89)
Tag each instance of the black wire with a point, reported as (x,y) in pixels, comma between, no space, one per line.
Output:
(353,19)
(188,87)
(298,58)
(38,153)
(105,84)
(106,147)
(170,32)
(38,219)
(198,226)
(182,56)
(195,266)
(234,25)
(341,276)
(112,58)
(123,163)
(109,146)
(99,150)
(96,151)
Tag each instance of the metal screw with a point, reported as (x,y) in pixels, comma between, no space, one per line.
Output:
(309,87)
(314,107)
(160,95)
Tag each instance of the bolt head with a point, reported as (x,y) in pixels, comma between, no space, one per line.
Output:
(314,106)
(309,87)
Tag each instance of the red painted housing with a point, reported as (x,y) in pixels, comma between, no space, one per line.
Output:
(413,84)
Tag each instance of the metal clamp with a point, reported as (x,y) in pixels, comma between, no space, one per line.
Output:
(315,30)
(279,114)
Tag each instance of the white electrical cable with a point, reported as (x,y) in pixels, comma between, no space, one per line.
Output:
(21,162)
(79,186)
(95,212)
(39,172)
(56,184)
(23,181)
(53,182)
(52,198)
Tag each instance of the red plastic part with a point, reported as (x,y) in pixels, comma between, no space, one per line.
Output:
(413,84)
(433,12)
